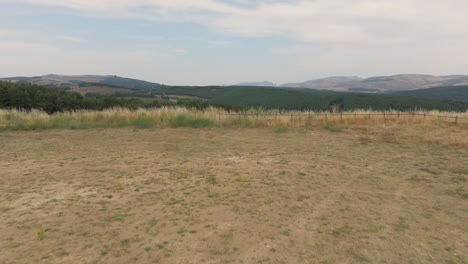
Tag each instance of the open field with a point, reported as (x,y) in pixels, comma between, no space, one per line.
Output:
(330,194)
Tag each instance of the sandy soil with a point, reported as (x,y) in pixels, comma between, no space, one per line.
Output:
(230,196)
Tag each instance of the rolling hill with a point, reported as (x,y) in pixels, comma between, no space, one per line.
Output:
(382,83)
(75,81)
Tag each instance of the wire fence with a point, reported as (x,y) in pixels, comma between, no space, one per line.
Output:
(327,116)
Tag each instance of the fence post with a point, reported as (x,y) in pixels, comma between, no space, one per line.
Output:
(341,116)
(291,117)
(369,115)
(424,116)
(326,116)
(384,117)
(456,120)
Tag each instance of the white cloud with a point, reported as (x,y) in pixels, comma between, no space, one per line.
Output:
(333,37)
(36,59)
(311,21)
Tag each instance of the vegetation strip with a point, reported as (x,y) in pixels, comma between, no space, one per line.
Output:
(183,117)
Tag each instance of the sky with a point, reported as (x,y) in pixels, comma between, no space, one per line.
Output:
(203,42)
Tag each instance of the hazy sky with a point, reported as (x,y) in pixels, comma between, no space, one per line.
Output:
(230,41)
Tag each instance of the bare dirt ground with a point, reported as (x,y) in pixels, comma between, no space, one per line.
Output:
(230,196)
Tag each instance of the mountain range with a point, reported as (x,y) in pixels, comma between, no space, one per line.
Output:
(84,80)
(379,84)
(383,83)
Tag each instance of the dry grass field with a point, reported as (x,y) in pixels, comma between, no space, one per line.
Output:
(330,193)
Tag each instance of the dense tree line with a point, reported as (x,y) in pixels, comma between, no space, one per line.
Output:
(27,96)
(295,99)
(49,99)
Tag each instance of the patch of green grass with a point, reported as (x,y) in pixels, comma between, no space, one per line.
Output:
(281,129)
(241,179)
(456,260)
(228,236)
(116,218)
(181,231)
(153,222)
(212,180)
(286,232)
(402,225)
(143,122)
(41,233)
(212,194)
(282,162)
(332,128)
(185,120)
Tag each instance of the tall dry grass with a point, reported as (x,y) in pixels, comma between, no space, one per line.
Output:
(183,117)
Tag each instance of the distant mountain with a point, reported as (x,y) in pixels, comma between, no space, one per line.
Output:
(331,83)
(263,84)
(73,81)
(454,93)
(382,83)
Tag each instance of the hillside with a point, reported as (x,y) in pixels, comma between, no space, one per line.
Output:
(382,83)
(262,84)
(77,81)
(455,93)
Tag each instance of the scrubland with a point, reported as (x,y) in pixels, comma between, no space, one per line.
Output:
(178,186)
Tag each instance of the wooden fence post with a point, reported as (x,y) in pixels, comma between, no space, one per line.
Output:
(369,115)
(456,120)
(341,116)
(291,117)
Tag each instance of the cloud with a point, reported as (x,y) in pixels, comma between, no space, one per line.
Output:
(328,21)
(32,59)
(325,37)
